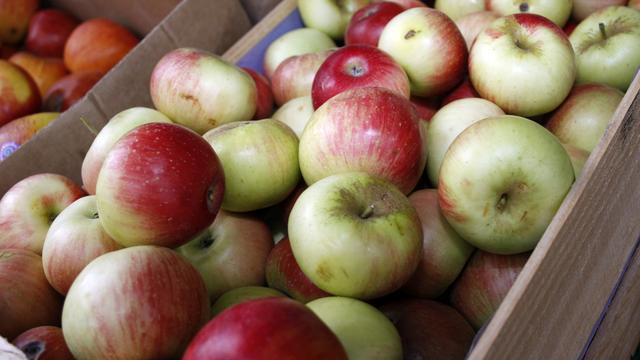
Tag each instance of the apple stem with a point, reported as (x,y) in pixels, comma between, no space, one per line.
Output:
(95,215)
(602,30)
(367,212)
(88,126)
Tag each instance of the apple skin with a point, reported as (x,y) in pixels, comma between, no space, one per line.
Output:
(502,181)
(483,284)
(271,328)
(19,131)
(429,47)
(426,107)
(583,8)
(295,42)
(364,331)
(557,11)
(473,24)
(264,104)
(429,329)
(365,129)
(67,91)
(462,91)
(230,253)
(134,303)
(20,95)
(183,186)
(283,273)
(28,208)
(114,129)
(44,71)
(74,239)
(611,59)
(536,62)
(242,294)
(14,19)
(329,16)
(48,32)
(583,117)
(634,4)
(43,343)
(407,4)
(456,9)
(578,158)
(444,252)
(294,76)
(448,123)
(28,299)
(354,66)
(355,235)
(260,161)
(295,113)
(367,23)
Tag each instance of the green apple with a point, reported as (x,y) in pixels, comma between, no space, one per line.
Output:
(296,113)
(295,42)
(242,294)
(557,11)
(329,16)
(456,9)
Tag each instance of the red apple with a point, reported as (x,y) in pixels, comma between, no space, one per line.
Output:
(367,23)
(271,328)
(44,71)
(19,131)
(264,105)
(27,298)
(161,184)
(69,90)
(294,76)
(356,66)
(462,91)
(14,19)
(473,24)
(48,32)
(43,343)
(20,95)
(426,107)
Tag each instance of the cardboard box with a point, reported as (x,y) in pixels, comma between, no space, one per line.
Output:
(257,9)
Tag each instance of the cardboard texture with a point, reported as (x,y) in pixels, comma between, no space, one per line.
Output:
(257,9)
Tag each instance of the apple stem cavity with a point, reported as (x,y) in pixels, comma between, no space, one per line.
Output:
(33,349)
(410,34)
(368,211)
(602,30)
(95,215)
(524,7)
(206,242)
(502,203)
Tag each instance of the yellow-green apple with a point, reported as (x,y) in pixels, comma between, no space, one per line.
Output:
(27,298)
(634,4)
(48,32)
(142,302)
(29,207)
(448,123)
(74,239)
(456,9)
(429,329)
(536,62)
(364,331)
(19,131)
(242,294)
(200,90)
(583,117)
(355,66)
(295,113)
(578,158)
(557,11)
(294,42)
(42,343)
(607,47)
(462,91)
(329,16)
(44,71)
(260,162)
(118,126)
(483,284)
(367,23)
(368,129)
(430,48)
(355,235)
(407,4)
(160,184)
(283,273)
(14,19)
(294,76)
(264,104)
(444,252)
(230,253)
(69,90)
(473,24)
(501,182)
(261,329)
(583,8)
(20,95)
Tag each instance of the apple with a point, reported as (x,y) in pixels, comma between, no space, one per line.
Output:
(260,161)
(354,66)
(294,76)
(583,8)
(264,104)
(114,129)
(448,123)
(355,235)
(67,91)
(536,62)
(295,113)
(607,47)
(29,207)
(583,117)
(6,51)
(43,342)
(367,23)
(578,158)
(232,252)
(483,284)
(284,274)
(142,302)
(9,351)
(14,19)
(462,91)
(456,9)
(569,27)
(426,107)
(429,329)
(329,16)
(501,182)
(292,43)
(271,328)
(27,298)
(20,95)
(201,90)
(407,4)
(366,129)
(444,252)
(557,11)
(242,294)
(473,24)
(430,48)
(48,32)
(44,71)
(160,184)
(19,131)
(97,45)
(74,238)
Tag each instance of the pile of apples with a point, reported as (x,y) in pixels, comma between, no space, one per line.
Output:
(48,62)
(388,204)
